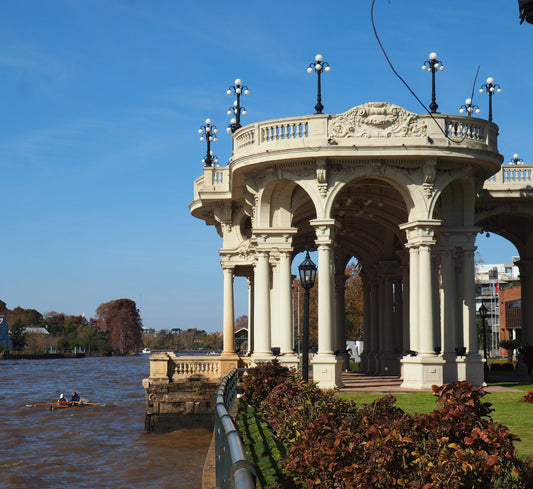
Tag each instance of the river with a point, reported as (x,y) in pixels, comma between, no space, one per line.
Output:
(101,446)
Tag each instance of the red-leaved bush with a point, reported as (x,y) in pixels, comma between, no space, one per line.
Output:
(528,397)
(335,444)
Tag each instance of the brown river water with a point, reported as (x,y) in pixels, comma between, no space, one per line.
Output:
(101,446)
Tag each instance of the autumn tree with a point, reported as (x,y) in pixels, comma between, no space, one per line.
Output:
(354,303)
(241,322)
(121,318)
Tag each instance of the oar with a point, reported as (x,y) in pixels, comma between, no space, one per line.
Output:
(42,404)
(83,403)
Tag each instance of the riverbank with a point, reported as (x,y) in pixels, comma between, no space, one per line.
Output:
(38,356)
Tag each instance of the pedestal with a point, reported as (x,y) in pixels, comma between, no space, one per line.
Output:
(327,371)
(421,372)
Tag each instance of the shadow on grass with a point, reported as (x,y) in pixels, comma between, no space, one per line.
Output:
(263,449)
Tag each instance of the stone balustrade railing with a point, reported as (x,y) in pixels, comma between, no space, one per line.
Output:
(187,367)
(166,367)
(511,176)
(337,135)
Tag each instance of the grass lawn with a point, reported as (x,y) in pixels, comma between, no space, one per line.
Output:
(509,410)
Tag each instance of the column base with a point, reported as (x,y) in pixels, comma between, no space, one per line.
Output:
(228,361)
(327,371)
(390,364)
(363,366)
(450,373)
(289,360)
(262,357)
(422,372)
(471,369)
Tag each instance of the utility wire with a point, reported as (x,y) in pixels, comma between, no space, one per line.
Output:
(407,85)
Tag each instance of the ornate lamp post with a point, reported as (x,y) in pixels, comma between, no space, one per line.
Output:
(490,87)
(516,160)
(307,270)
(525,8)
(432,65)
(238,89)
(208,132)
(483,315)
(318,66)
(469,108)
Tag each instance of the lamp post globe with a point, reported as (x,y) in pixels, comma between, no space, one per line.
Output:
(319,66)
(432,65)
(490,88)
(236,110)
(208,132)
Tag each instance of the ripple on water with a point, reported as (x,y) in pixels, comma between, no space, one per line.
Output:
(93,446)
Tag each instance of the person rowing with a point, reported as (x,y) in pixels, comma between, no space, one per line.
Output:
(75,398)
(62,401)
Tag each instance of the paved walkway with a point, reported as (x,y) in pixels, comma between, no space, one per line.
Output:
(388,384)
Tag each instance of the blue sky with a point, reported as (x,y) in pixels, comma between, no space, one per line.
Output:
(101,102)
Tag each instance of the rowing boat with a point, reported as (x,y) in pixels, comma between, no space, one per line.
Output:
(65,404)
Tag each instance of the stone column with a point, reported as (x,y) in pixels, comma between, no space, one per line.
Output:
(326,324)
(340,317)
(405,305)
(425,317)
(286,330)
(470,337)
(526,282)
(398,316)
(366,323)
(373,347)
(250,282)
(414,336)
(448,302)
(472,365)
(262,348)
(229,318)
(326,370)
(274,303)
(426,368)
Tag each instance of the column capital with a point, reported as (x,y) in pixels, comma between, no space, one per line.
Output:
(325,230)
(274,238)
(420,232)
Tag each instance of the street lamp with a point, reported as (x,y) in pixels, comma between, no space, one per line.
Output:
(238,89)
(307,270)
(489,88)
(208,132)
(432,65)
(318,66)
(516,160)
(469,108)
(525,9)
(483,315)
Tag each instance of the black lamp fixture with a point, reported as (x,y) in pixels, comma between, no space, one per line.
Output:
(236,110)
(483,315)
(307,271)
(469,108)
(490,87)
(525,10)
(516,160)
(208,132)
(432,65)
(319,66)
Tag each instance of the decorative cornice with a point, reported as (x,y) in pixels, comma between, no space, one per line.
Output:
(377,120)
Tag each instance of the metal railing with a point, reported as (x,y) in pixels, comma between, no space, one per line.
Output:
(233,470)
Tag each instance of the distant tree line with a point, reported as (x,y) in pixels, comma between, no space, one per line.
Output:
(116,329)
(177,339)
